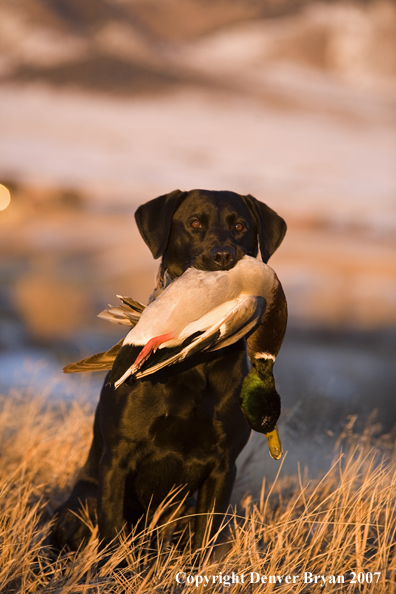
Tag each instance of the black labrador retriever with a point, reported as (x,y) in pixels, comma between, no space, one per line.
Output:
(182,426)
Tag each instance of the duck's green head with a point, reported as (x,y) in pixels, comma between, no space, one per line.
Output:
(260,402)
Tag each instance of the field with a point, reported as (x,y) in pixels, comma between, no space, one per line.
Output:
(340,526)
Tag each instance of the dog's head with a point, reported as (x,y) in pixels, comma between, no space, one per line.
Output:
(208,230)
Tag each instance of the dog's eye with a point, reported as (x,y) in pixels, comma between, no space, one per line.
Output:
(196,224)
(239,227)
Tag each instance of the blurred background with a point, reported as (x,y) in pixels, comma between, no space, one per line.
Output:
(105,104)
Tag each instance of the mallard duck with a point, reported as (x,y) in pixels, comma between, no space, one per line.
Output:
(260,402)
(198,311)
(206,311)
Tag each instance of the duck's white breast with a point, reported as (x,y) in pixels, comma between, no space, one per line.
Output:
(196,293)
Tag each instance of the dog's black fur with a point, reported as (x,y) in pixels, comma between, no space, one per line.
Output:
(182,426)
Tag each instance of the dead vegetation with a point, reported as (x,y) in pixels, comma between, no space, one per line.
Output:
(335,524)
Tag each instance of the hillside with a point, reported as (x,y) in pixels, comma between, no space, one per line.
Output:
(134,46)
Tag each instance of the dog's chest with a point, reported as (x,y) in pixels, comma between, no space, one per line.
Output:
(185,416)
(194,412)
(192,430)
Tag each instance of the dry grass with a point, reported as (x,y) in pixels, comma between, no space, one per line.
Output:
(342,522)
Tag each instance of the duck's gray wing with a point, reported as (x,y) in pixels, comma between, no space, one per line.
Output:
(238,322)
(100,362)
(231,334)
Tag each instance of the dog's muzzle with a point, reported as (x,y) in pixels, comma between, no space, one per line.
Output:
(224,258)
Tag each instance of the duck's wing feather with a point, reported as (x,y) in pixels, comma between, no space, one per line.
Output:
(227,330)
(232,335)
(235,324)
(100,362)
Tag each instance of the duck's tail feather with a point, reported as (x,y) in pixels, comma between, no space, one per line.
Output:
(120,315)
(135,305)
(100,362)
(127,314)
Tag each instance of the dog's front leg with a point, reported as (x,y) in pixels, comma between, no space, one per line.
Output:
(111,495)
(214,495)
(116,463)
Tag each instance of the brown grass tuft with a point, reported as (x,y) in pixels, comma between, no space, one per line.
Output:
(341,522)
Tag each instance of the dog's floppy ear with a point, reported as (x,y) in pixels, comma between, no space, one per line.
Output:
(154,219)
(271,227)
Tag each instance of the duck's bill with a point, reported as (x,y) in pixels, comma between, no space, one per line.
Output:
(274,444)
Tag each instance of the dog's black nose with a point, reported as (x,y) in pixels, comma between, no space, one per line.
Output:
(223,257)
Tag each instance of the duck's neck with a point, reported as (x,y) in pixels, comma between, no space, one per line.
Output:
(260,402)
(267,339)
